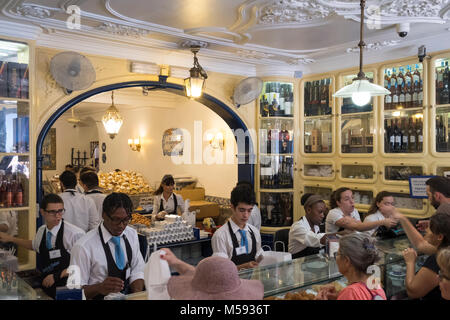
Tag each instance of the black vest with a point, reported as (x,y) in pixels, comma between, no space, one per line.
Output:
(56,265)
(242,258)
(175,202)
(113,270)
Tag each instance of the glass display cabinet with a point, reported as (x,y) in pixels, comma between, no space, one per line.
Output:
(358,172)
(357,124)
(15,136)
(324,191)
(318,116)
(441,143)
(318,170)
(363,197)
(406,204)
(441,169)
(404,109)
(276,208)
(399,173)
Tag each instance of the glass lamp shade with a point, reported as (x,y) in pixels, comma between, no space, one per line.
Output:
(112,121)
(194,86)
(361,91)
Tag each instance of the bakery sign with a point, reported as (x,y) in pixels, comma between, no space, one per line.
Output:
(172,142)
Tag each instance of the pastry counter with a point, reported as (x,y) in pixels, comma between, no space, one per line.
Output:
(12,287)
(301,278)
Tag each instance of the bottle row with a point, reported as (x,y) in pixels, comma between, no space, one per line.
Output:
(403,135)
(277,136)
(406,87)
(317,97)
(277,100)
(11,191)
(276,209)
(442,82)
(14,80)
(276,172)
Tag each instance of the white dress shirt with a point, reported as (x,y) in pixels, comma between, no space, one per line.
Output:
(80,210)
(377,216)
(9,218)
(255,217)
(301,236)
(98,200)
(335,215)
(168,205)
(222,244)
(70,237)
(88,254)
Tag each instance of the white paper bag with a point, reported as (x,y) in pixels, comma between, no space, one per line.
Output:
(274,257)
(189,217)
(156,276)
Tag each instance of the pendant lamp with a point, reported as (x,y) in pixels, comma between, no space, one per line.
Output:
(196,82)
(112,120)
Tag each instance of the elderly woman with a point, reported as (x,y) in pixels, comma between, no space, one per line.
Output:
(304,236)
(443,260)
(357,252)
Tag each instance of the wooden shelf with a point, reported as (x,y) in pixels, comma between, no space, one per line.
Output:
(323,116)
(352,114)
(14,99)
(14,209)
(4,154)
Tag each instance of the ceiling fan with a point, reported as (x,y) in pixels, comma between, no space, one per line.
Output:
(75,121)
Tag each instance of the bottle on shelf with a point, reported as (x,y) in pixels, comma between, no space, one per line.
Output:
(412,136)
(391,134)
(398,137)
(387,85)
(439,81)
(415,97)
(307,98)
(394,89)
(445,98)
(316,143)
(405,136)
(282,99)
(315,104)
(401,88)
(9,195)
(419,135)
(289,100)
(408,88)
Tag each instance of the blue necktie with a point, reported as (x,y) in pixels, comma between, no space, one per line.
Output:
(244,241)
(49,240)
(120,258)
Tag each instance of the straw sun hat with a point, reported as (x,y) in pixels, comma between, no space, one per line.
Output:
(215,278)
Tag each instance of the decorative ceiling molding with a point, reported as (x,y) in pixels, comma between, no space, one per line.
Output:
(186,44)
(122,30)
(304,61)
(408,8)
(252,54)
(34,11)
(375,46)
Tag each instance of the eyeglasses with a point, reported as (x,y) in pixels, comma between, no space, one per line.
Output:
(443,277)
(55,212)
(119,221)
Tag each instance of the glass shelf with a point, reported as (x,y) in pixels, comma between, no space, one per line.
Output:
(403,131)
(276,209)
(357,133)
(318,135)
(405,83)
(276,172)
(318,97)
(277,100)
(442,81)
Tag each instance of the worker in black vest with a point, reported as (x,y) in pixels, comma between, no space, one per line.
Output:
(108,257)
(165,201)
(53,241)
(236,239)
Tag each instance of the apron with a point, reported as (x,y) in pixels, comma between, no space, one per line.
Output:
(175,202)
(242,258)
(113,271)
(306,252)
(54,265)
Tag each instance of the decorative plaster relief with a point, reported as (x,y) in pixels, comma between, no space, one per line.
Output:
(293,11)
(408,8)
(375,46)
(296,61)
(122,30)
(192,43)
(33,11)
(251,54)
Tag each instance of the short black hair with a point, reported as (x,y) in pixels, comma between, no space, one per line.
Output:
(68,179)
(115,201)
(86,169)
(439,184)
(90,179)
(242,193)
(245,183)
(50,198)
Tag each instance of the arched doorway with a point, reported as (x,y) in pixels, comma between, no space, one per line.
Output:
(245,151)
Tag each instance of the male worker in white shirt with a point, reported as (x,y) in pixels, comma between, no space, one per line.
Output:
(108,258)
(80,210)
(236,239)
(89,182)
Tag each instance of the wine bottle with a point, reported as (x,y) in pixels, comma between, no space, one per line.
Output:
(408,88)
(420,96)
(439,81)
(401,87)
(307,99)
(415,96)
(316,139)
(387,85)
(405,136)
(394,89)
(412,136)
(398,137)
(9,194)
(419,136)
(444,99)
(391,136)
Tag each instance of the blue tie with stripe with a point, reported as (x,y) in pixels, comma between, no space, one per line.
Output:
(120,257)
(244,241)
(49,240)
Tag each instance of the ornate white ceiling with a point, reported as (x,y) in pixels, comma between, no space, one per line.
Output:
(242,37)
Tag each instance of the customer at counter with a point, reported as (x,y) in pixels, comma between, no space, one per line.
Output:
(304,235)
(344,217)
(214,278)
(438,190)
(80,210)
(89,182)
(425,284)
(54,242)
(255,216)
(165,201)
(443,260)
(109,257)
(357,252)
(236,239)
(379,211)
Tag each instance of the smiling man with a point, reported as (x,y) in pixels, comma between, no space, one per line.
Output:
(237,240)
(53,241)
(108,257)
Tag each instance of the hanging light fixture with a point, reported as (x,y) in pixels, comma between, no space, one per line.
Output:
(112,120)
(196,82)
(361,90)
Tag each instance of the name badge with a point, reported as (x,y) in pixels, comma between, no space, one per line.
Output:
(55,254)
(241,250)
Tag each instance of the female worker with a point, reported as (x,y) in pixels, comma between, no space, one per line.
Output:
(165,201)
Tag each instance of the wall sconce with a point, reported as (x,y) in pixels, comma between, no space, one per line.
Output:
(216,141)
(135,144)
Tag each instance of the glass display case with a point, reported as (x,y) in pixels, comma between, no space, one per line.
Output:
(403,131)
(363,198)
(359,172)
(404,202)
(323,191)
(276,208)
(442,170)
(318,116)
(276,136)
(442,81)
(277,100)
(401,172)
(276,172)
(318,170)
